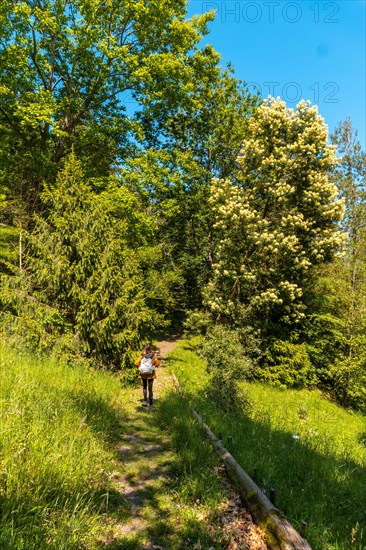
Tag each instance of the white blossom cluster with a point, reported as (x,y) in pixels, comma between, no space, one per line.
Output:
(278,215)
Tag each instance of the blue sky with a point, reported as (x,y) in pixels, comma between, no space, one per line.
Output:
(311,49)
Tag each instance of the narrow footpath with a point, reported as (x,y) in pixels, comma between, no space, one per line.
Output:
(150,518)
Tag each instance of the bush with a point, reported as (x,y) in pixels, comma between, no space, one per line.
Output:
(287,365)
(228,362)
(197,322)
(128,373)
(349,378)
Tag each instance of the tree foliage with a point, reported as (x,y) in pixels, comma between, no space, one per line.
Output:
(67,69)
(139,182)
(186,148)
(350,178)
(275,219)
(336,304)
(91,263)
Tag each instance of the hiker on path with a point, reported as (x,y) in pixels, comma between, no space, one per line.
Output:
(146,363)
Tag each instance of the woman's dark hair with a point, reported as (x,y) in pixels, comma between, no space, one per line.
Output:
(148,348)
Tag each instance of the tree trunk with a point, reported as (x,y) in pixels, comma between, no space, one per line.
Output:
(280,535)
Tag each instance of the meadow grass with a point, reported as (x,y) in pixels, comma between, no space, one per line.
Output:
(57,426)
(307,448)
(180,489)
(61,428)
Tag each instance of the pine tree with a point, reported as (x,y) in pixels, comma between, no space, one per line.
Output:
(91,264)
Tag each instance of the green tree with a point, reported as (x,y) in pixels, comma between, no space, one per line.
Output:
(337,329)
(350,177)
(93,277)
(275,219)
(186,148)
(69,70)
(67,67)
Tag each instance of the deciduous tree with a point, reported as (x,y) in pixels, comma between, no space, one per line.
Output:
(67,67)
(275,219)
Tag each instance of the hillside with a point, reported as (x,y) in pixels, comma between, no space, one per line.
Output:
(83,465)
(307,449)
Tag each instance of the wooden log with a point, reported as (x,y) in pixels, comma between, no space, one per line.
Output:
(279,533)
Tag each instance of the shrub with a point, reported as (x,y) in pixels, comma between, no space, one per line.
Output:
(349,378)
(286,364)
(228,362)
(197,322)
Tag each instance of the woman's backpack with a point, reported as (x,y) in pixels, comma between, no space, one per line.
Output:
(146,367)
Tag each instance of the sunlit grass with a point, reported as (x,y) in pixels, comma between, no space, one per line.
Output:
(57,422)
(196,491)
(60,425)
(311,451)
(63,481)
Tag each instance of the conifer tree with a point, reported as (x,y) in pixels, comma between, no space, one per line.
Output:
(338,324)
(92,267)
(350,177)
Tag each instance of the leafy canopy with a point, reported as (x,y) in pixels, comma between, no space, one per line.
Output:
(275,218)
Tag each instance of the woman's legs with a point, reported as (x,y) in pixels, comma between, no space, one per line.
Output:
(147,385)
(144,389)
(150,381)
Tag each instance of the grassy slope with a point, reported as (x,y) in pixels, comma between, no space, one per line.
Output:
(75,448)
(57,426)
(319,475)
(60,473)
(169,476)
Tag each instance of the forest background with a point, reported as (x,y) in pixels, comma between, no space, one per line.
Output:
(205,209)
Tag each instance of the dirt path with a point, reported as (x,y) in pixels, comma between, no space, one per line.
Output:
(143,478)
(166,346)
(145,456)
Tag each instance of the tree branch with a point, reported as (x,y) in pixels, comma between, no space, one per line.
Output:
(52,61)
(33,56)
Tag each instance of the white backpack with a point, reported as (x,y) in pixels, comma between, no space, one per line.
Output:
(146,367)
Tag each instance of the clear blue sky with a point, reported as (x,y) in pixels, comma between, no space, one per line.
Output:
(311,49)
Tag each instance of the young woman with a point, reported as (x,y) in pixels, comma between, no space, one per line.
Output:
(146,359)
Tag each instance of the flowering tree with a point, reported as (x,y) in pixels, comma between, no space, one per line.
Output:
(275,219)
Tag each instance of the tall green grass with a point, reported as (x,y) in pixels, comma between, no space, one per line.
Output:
(57,425)
(190,506)
(311,451)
